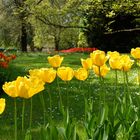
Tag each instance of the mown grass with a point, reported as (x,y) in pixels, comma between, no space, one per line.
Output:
(75,89)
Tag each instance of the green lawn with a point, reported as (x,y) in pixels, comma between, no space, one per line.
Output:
(75,89)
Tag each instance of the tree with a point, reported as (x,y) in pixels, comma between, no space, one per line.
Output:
(57,17)
(107,22)
(8,30)
(17,9)
(21,12)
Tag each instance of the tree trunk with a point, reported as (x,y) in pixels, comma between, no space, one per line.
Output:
(23,40)
(56,41)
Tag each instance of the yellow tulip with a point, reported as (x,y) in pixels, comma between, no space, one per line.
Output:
(65,73)
(115,63)
(29,86)
(46,74)
(36,72)
(113,54)
(103,70)
(2,105)
(135,52)
(126,62)
(98,58)
(10,89)
(86,63)
(23,87)
(55,61)
(81,74)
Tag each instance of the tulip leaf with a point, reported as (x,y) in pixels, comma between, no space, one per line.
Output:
(132,127)
(54,133)
(61,132)
(104,114)
(28,135)
(106,131)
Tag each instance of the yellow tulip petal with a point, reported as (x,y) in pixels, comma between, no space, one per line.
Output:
(86,63)
(2,105)
(98,58)
(135,52)
(65,73)
(55,61)
(102,72)
(10,89)
(81,74)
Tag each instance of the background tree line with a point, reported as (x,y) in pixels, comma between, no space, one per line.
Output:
(105,24)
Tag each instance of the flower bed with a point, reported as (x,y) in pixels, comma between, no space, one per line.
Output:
(117,119)
(4,59)
(71,50)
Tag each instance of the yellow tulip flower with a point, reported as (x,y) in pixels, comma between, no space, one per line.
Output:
(103,70)
(46,74)
(29,86)
(2,105)
(65,73)
(55,61)
(86,63)
(115,63)
(126,62)
(98,58)
(23,87)
(10,89)
(113,54)
(81,74)
(135,52)
(36,72)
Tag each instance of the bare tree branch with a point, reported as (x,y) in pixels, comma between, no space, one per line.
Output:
(47,22)
(124,30)
(39,2)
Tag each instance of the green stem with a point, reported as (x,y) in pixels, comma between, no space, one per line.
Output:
(100,75)
(44,108)
(23,112)
(138,75)
(15,117)
(59,90)
(89,87)
(86,106)
(67,99)
(116,79)
(124,78)
(100,78)
(60,99)
(125,93)
(85,99)
(116,85)
(128,89)
(50,106)
(103,90)
(31,113)
(126,75)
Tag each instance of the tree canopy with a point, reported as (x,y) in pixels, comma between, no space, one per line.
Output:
(102,23)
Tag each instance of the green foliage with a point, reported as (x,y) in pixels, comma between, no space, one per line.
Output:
(28,135)
(8,30)
(49,20)
(86,118)
(65,132)
(58,23)
(109,20)
(82,42)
